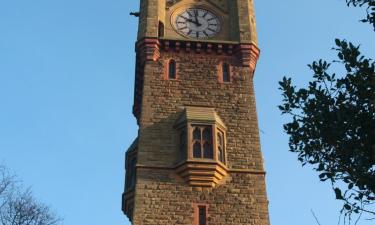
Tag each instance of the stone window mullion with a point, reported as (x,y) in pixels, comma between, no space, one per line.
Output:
(189,141)
(214,141)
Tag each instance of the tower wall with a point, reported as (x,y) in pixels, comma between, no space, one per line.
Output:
(164,198)
(162,186)
(160,200)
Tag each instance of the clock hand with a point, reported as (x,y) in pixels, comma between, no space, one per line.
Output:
(196,18)
(195,22)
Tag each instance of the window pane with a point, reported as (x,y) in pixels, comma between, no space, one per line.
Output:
(197,152)
(207,134)
(197,134)
(208,151)
(220,154)
(202,215)
(172,70)
(226,73)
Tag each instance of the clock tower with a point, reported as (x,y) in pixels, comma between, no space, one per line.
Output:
(197,157)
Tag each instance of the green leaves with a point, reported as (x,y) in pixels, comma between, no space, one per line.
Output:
(332,124)
(338,193)
(348,207)
(338,42)
(370,9)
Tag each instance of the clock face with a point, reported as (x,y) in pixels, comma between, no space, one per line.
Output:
(197,23)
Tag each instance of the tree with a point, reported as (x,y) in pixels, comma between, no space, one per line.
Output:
(333,123)
(18,206)
(370,9)
(333,126)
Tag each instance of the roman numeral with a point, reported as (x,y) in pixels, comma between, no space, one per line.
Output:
(205,33)
(197,34)
(211,29)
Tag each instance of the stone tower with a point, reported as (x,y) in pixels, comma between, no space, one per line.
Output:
(197,158)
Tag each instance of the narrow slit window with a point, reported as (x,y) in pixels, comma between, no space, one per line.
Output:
(202,214)
(172,70)
(226,72)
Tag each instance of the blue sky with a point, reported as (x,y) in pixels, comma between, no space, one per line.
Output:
(66,92)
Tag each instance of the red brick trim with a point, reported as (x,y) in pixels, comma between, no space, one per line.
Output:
(249,54)
(150,48)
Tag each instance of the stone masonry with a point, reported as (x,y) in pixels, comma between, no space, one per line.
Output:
(160,196)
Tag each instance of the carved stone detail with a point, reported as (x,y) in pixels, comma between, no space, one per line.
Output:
(202,173)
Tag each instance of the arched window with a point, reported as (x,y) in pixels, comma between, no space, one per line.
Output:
(202,140)
(203,156)
(225,72)
(220,146)
(172,70)
(197,147)
(207,146)
(197,134)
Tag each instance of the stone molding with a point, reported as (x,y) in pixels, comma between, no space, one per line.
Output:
(230,170)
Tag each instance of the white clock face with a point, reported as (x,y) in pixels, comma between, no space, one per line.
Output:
(197,23)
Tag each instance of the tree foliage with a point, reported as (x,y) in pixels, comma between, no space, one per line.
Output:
(370,9)
(18,206)
(333,125)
